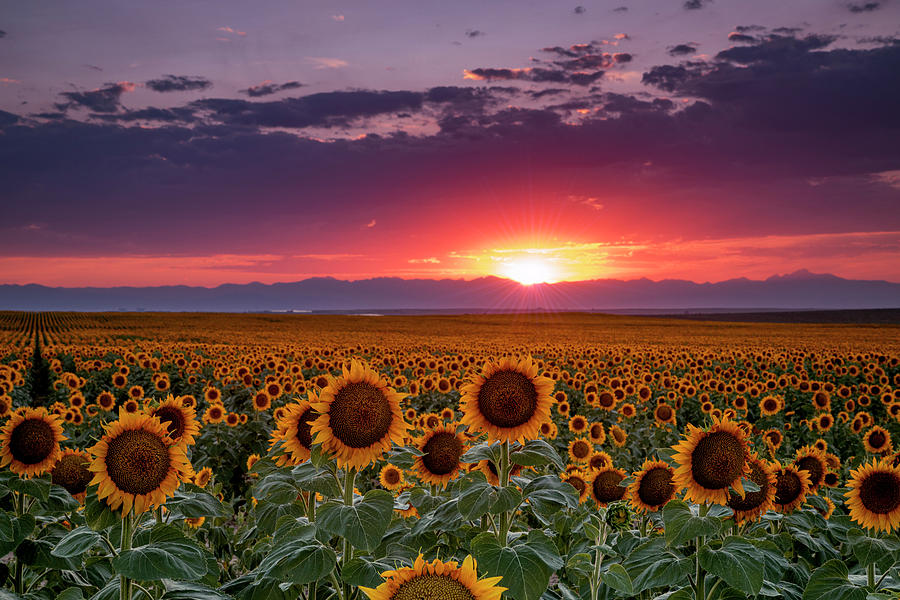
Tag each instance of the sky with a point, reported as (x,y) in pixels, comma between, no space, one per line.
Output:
(204,143)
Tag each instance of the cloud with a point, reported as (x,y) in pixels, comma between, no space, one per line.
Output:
(101,100)
(7,118)
(9,80)
(682,49)
(620,9)
(2,34)
(178,83)
(338,18)
(864,7)
(534,74)
(474,33)
(232,31)
(695,4)
(419,261)
(322,62)
(736,36)
(579,10)
(267,88)
(370,224)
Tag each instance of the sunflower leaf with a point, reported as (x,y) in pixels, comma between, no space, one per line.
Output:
(682,525)
(481,452)
(536,453)
(523,566)
(38,487)
(76,542)
(736,561)
(162,560)
(362,524)
(297,561)
(881,551)
(830,582)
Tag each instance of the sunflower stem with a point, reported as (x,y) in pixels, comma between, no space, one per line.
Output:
(700,576)
(124,545)
(505,518)
(19,501)
(349,480)
(870,575)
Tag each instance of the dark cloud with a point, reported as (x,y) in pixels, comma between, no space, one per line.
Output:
(775,48)
(736,36)
(787,30)
(473,33)
(682,49)
(534,74)
(102,100)
(749,28)
(2,34)
(580,10)
(620,9)
(538,94)
(7,118)
(622,104)
(267,88)
(178,83)
(327,109)
(695,4)
(165,115)
(864,7)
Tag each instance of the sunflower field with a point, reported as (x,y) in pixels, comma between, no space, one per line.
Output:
(554,457)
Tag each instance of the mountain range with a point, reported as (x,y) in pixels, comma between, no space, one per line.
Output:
(799,290)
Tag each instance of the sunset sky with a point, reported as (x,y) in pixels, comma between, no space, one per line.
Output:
(210,142)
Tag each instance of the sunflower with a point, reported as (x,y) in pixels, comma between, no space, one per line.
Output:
(580,450)
(548,429)
(710,462)
(441,449)
(826,514)
(71,472)
(212,395)
(262,401)
(578,424)
(791,487)
(232,419)
(578,480)
(203,477)
(29,441)
(618,435)
(597,433)
(448,414)
(824,421)
(359,417)
(874,495)
(773,438)
(832,479)
(664,414)
(754,504)
(252,460)
(214,414)
(391,477)
(652,487)
(136,464)
(436,580)
(508,400)
(627,410)
(106,400)
(604,487)
(598,460)
(812,461)
(770,405)
(877,440)
(294,428)
(180,420)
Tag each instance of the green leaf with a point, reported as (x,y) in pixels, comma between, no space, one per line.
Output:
(60,501)
(536,453)
(652,565)
(581,564)
(7,595)
(737,561)
(363,571)
(162,560)
(299,561)
(307,477)
(72,593)
(182,590)
(195,503)
(522,567)
(76,542)
(476,498)
(683,524)
(37,487)
(97,513)
(618,579)
(830,582)
(483,452)
(549,493)
(15,529)
(362,524)
(881,551)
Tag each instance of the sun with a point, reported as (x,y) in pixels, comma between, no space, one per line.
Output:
(529,271)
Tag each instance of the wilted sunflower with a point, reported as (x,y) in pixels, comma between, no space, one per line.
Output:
(508,400)
(294,428)
(812,460)
(136,464)
(578,480)
(180,420)
(71,472)
(580,450)
(874,495)
(391,477)
(877,440)
(436,580)
(711,462)
(359,417)
(791,487)
(441,450)
(652,487)
(604,487)
(29,441)
(754,504)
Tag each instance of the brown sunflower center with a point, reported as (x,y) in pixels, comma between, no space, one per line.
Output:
(442,453)
(606,487)
(577,483)
(814,467)
(71,472)
(596,430)
(304,429)
(507,399)
(137,461)
(770,405)
(581,449)
(32,441)
(656,487)
(877,439)
(880,492)
(392,476)
(751,500)
(717,460)
(606,399)
(787,487)
(173,419)
(432,587)
(360,415)
(664,412)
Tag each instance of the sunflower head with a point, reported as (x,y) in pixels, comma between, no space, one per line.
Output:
(812,460)
(441,449)
(578,480)
(878,440)
(711,462)
(753,504)
(359,417)
(791,487)
(294,428)
(180,420)
(652,487)
(391,477)
(580,450)
(436,580)
(604,487)
(508,400)
(29,441)
(874,495)
(71,472)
